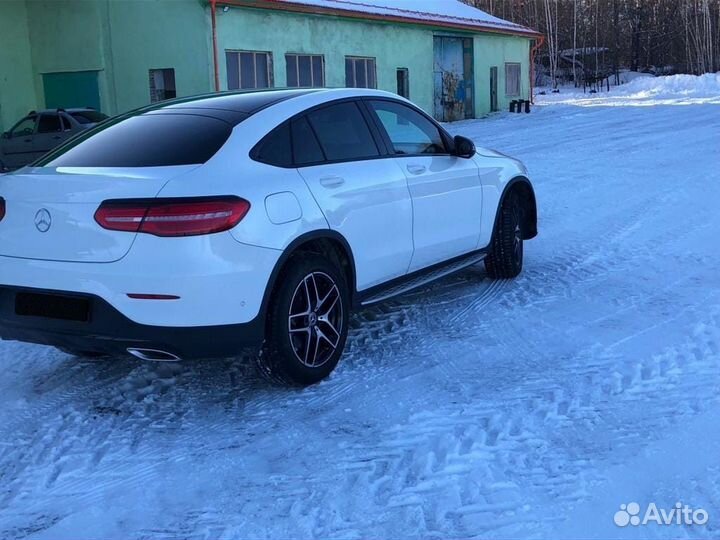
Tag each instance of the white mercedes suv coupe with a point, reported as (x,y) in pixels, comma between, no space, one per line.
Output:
(199,227)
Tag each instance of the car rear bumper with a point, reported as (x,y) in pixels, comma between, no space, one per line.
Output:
(86,322)
(213,280)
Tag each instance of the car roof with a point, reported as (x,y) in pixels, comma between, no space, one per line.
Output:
(68,110)
(250,102)
(234,107)
(247,102)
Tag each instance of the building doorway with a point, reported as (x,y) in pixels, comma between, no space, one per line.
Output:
(494,89)
(453,78)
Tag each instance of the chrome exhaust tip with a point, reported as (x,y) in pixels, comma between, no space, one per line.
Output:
(153,355)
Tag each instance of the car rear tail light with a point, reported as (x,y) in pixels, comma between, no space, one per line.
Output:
(172,217)
(2,208)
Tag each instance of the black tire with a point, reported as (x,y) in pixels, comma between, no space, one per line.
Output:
(505,259)
(302,322)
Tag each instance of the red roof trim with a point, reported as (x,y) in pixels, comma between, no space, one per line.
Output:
(412,17)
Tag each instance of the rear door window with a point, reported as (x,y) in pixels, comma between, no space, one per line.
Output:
(149,140)
(306,148)
(343,133)
(276,148)
(49,123)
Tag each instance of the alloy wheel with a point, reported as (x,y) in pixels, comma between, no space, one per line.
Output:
(315,319)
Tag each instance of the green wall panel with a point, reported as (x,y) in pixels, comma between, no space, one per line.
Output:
(17,90)
(493,50)
(71,89)
(392,46)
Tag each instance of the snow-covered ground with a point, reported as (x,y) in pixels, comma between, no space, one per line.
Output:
(473,408)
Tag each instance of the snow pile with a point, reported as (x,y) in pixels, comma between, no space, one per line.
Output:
(707,85)
(629,76)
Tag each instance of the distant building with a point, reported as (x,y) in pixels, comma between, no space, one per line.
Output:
(453,60)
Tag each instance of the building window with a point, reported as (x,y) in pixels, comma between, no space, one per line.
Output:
(360,72)
(248,69)
(512,79)
(403,82)
(162,84)
(305,70)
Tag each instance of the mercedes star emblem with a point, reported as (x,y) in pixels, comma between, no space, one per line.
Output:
(43,220)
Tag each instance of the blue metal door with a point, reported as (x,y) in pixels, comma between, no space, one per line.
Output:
(453,78)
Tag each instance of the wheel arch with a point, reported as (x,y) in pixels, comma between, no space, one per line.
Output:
(521,185)
(324,242)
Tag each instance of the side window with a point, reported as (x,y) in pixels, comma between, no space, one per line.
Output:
(162,84)
(343,132)
(305,70)
(409,131)
(275,148)
(403,82)
(512,79)
(306,148)
(360,72)
(248,69)
(49,123)
(25,127)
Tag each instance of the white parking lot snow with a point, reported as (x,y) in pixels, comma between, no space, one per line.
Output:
(525,408)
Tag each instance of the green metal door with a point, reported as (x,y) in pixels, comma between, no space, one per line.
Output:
(71,89)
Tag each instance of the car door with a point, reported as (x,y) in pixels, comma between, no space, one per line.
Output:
(17,144)
(363,194)
(49,134)
(445,189)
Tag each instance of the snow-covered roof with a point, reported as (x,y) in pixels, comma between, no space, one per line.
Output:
(449,13)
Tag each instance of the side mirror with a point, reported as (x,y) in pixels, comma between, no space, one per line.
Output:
(464,147)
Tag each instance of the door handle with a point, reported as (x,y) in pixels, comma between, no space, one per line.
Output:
(332,181)
(416,169)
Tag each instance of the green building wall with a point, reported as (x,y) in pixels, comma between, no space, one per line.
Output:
(121,40)
(17,92)
(392,45)
(496,50)
(157,34)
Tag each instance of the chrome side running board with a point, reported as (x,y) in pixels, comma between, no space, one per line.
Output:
(425,277)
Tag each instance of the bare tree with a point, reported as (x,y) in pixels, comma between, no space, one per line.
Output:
(668,36)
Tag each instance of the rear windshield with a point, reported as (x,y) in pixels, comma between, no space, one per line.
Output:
(88,117)
(150,140)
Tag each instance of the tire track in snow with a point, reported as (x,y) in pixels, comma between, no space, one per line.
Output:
(491,460)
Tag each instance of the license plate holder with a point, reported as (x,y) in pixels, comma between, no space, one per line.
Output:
(52,306)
